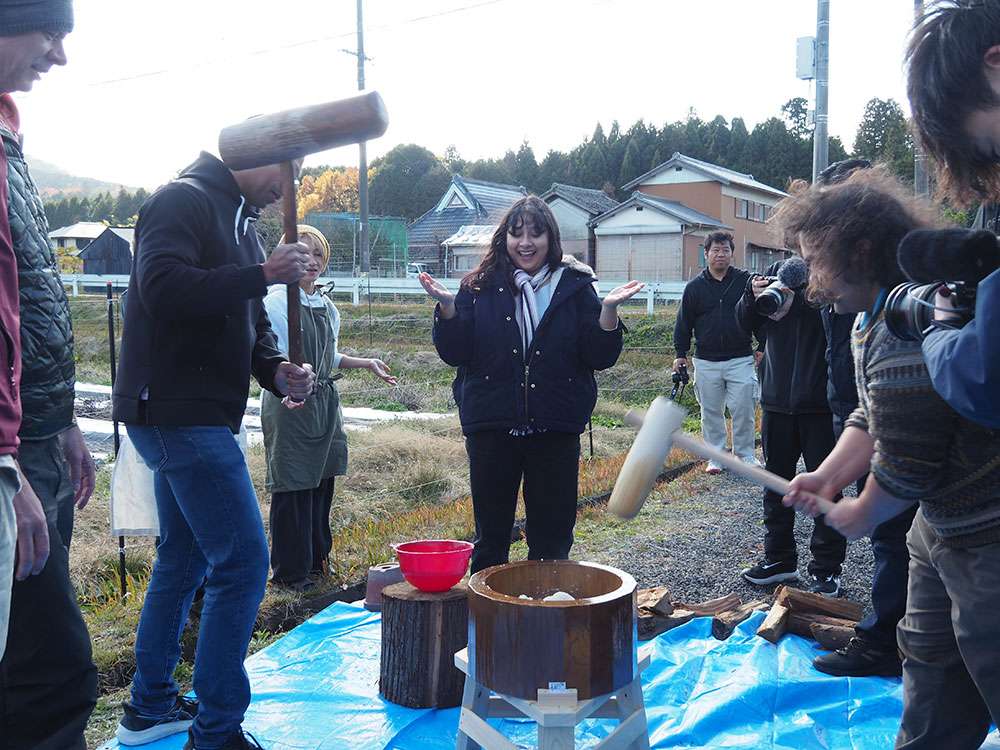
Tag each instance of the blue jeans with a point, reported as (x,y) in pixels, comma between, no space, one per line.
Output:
(210,529)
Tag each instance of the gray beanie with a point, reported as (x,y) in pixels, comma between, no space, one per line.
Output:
(24,16)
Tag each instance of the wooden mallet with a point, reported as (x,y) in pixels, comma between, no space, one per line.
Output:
(659,431)
(283,138)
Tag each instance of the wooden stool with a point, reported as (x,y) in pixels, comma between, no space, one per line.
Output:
(420,633)
(557,712)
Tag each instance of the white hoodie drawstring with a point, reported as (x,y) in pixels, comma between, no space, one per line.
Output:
(236,222)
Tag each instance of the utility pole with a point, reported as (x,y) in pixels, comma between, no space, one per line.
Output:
(363,162)
(821,141)
(921,183)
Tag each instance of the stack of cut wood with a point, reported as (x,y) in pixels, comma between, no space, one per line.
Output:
(658,614)
(830,622)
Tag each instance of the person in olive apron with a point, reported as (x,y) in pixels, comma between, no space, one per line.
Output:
(305,441)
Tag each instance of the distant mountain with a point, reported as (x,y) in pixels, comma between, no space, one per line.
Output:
(53,181)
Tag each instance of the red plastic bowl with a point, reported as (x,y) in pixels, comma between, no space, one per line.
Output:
(433,564)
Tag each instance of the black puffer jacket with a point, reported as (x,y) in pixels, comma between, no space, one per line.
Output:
(48,374)
(793,373)
(499,387)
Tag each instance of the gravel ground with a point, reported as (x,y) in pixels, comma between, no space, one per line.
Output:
(696,534)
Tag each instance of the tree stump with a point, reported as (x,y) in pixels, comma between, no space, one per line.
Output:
(421,632)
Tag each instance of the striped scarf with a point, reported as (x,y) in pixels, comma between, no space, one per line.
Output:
(527,311)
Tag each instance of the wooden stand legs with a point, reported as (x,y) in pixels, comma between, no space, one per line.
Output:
(557,712)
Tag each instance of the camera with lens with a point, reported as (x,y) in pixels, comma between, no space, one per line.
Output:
(773,297)
(680,379)
(955,260)
(793,274)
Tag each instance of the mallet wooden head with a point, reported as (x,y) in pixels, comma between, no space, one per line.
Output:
(660,431)
(295,133)
(645,457)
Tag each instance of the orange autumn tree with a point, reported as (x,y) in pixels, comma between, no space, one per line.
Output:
(334,190)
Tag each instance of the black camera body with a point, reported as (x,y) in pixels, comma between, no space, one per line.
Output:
(680,379)
(793,274)
(934,260)
(773,298)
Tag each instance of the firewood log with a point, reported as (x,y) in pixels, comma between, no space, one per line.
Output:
(652,625)
(775,624)
(714,606)
(798,600)
(800,622)
(724,623)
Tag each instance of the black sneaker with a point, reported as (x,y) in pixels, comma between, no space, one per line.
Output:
(138,729)
(825,585)
(242,740)
(766,572)
(860,659)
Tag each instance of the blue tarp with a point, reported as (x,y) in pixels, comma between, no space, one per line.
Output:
(317,689)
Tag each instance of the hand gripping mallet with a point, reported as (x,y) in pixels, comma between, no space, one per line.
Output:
(660,431)
(284,137)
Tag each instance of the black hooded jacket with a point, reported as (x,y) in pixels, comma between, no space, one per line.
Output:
(195,327)
(793,373)
(708,307)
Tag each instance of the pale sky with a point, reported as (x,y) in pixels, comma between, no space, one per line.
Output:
(149,84)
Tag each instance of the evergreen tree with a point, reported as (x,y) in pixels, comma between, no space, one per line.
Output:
(796,111)
(883,135)
(717,140)
(694,141)
(615,151)
(592,171)
(738,137)
(526,171)
(555,167)
(454,160)
(598,137)
(632,164)
(771,154)
(407,181)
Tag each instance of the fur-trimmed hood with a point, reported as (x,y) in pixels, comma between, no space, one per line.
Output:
(570,262)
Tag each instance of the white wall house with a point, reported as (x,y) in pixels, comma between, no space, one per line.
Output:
(644,238)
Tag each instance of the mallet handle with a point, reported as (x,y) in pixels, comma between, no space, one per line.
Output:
(290,212)
(755,474)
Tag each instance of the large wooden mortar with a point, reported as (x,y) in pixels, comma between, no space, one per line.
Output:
(518,646)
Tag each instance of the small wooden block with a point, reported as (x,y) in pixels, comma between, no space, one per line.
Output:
(656,600)
(775,624)
(724,623)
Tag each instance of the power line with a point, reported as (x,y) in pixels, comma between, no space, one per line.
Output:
(290,45)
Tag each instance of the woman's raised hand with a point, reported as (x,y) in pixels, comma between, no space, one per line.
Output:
(437,290)
(621,293)
(381,369)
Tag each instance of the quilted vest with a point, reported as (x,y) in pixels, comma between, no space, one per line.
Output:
(48,374)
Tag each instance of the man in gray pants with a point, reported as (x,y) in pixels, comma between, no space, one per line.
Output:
(725,366)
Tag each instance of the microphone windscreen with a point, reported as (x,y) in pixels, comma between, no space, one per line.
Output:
(794,273)
(926,255)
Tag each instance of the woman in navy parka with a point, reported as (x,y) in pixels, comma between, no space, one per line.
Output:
(526,332)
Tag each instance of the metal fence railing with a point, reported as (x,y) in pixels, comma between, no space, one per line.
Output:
(360,287)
